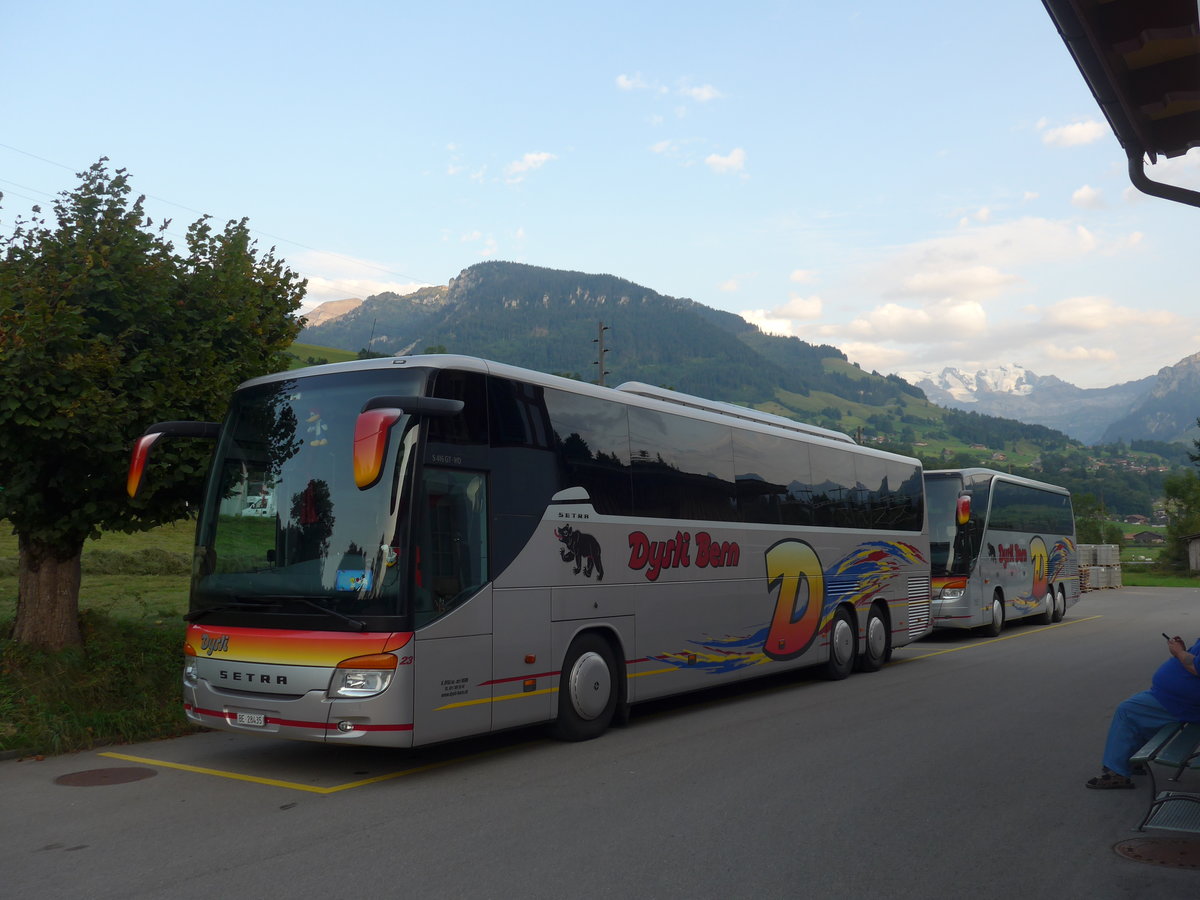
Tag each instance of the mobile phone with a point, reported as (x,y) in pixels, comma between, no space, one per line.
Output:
(1164,634)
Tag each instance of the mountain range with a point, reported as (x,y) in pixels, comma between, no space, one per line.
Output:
(1160,407)
(550,320)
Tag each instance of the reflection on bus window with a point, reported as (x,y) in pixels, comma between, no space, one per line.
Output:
(450,536)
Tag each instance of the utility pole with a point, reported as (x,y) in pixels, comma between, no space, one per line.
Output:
(599,341)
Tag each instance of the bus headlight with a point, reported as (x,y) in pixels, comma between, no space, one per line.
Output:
(363,676)
(951,593)
(190,675)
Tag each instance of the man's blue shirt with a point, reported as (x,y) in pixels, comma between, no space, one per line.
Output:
(1177,689)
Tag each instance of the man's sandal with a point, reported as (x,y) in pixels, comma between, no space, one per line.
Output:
(1110,781)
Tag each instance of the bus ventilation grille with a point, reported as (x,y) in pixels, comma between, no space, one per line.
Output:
(919,606)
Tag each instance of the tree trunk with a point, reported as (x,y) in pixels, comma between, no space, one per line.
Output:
(48,595)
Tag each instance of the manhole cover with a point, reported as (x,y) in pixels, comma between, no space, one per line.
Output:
(97,777)
(1179,853)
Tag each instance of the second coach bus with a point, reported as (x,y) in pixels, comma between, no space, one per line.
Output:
(403,551)
(1002,548)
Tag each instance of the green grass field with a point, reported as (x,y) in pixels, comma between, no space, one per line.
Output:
(141,577)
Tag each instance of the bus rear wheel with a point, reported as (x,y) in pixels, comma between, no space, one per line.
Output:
(1051,601)
(587,690)
(877,648)
(842,647)
(1060,605)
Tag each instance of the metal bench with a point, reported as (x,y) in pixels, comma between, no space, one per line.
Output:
(1174,747)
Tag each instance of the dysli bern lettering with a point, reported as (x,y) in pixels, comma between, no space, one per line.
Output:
(654,556)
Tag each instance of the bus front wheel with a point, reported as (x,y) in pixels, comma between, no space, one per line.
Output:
(587,690)
(997,625)
(842,646)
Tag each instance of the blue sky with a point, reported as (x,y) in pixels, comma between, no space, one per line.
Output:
(921,185)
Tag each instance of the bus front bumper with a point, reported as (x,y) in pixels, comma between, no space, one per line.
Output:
(312,716)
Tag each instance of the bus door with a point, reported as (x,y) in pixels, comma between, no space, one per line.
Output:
(452,609)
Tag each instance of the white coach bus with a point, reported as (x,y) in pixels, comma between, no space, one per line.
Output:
(1002,548)
(403,551)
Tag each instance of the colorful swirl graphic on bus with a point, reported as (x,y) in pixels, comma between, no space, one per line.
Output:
(1060,556)
(1049,566)
(803,604)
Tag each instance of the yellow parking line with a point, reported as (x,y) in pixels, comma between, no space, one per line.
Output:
(1005,637)
(293,785)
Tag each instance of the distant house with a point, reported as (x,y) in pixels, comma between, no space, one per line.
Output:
(1147,537)
(1137,520)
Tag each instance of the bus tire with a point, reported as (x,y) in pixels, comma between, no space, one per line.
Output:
(877,647)
(1047,617)
(843,645)
(588,691)
(1060,604)
(997,624)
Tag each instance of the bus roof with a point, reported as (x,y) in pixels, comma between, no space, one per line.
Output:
(1007,476)
(632,393)
(730,409)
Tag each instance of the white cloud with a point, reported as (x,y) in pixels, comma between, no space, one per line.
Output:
(1088,197)
(1101,314)
(516,170)
(950,281)
(803,308)
(730,286)
(701,94)
(803,276)
(876,357)
(332,276)
(768,322)
(1075,134)
(631,82)
(734,162)
(894,322)
(976,263)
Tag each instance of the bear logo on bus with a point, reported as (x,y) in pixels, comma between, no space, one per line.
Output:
(581,549)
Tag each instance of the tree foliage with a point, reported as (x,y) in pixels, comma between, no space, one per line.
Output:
(105,329)
(1182,491)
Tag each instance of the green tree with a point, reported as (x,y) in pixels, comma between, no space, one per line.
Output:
(104,330)
(1089,519)
(1182,492)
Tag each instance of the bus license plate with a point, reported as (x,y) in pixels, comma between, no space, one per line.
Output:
(257,719)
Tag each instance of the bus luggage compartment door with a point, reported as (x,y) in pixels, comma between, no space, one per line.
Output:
(453,687)
(523,667)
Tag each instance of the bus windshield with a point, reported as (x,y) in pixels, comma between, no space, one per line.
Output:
(941,497)
(285,536)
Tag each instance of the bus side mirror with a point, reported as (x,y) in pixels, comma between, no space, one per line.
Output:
(141,447)
(374,425)
(371,430)
(962,511)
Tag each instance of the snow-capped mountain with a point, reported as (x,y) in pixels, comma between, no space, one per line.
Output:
(967,388)
(1014,392)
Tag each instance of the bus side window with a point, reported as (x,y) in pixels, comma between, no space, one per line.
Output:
(451,541)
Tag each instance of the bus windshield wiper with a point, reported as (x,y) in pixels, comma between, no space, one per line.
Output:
(239,606)
(358,624)
(274,601)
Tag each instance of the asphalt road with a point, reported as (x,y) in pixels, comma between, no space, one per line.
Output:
(957,771)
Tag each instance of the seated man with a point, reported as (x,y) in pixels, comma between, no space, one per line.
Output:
(1174,696)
